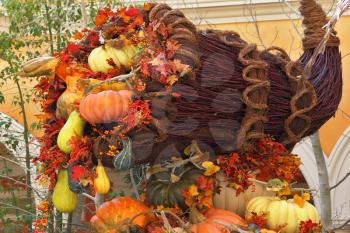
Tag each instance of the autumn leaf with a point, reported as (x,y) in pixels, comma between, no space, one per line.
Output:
(147,6)
(210,168)
(101,18)
(78,35)
(299,200)
(306,196)
(193,190)
(73,47)
(132,12)
(177,66)
(172,79)
(171,47)
(77,172)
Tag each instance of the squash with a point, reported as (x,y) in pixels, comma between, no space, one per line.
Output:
(165,188)
(102,183)
(106,106)
(74,127)
(121,57)
(63,198)
(282,212)
(110,215)
(124,160)
(227,199)
(206,223)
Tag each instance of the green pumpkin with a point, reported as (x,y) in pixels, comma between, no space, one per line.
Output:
(163,189)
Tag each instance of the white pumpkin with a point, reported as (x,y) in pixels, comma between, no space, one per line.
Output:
(282,212)
(121,57)
(228,200)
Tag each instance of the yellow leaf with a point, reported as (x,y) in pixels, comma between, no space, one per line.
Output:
(299,200)
(306,196)
(210,168)
(172,79)
(193,190)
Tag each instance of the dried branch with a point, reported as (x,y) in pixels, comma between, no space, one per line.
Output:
(340,181)
(325,195)
(231,227)
(342,6)
(119,78)
(341,226)
(254,17)
(291,188)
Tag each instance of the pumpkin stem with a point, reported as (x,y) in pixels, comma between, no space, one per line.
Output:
(196,216)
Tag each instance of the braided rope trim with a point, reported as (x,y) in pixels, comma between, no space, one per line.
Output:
(304,99)
(255,95)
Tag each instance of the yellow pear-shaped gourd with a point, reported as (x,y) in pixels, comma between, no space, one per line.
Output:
(63,198)
(74,127)
(98,58)
(282,213)
(101,182)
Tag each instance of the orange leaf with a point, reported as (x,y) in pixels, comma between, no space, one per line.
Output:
(78,36)
(299,200)
(306,196)
(100,19)
(147,6)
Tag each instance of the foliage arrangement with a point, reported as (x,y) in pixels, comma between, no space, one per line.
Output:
(94,91)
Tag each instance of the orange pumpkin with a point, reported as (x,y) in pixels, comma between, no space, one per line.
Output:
(105,106)
(110,215)
(207,223)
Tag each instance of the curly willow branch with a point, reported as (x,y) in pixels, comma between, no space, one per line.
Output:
(255,95)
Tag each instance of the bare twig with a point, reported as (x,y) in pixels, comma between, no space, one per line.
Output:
(231,227)
(342,6)
(291,188)
(341,226)
(340,181)
(118,78)
(345,55)
(22,183)
(254,18)
(88,196)
(178,219)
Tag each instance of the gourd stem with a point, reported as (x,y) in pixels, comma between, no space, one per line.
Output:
(196,216)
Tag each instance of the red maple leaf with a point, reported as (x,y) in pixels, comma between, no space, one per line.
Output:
(77,172)
(132,12)
(73,48)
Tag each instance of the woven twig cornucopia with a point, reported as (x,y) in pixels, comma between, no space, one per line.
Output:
(237,94)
